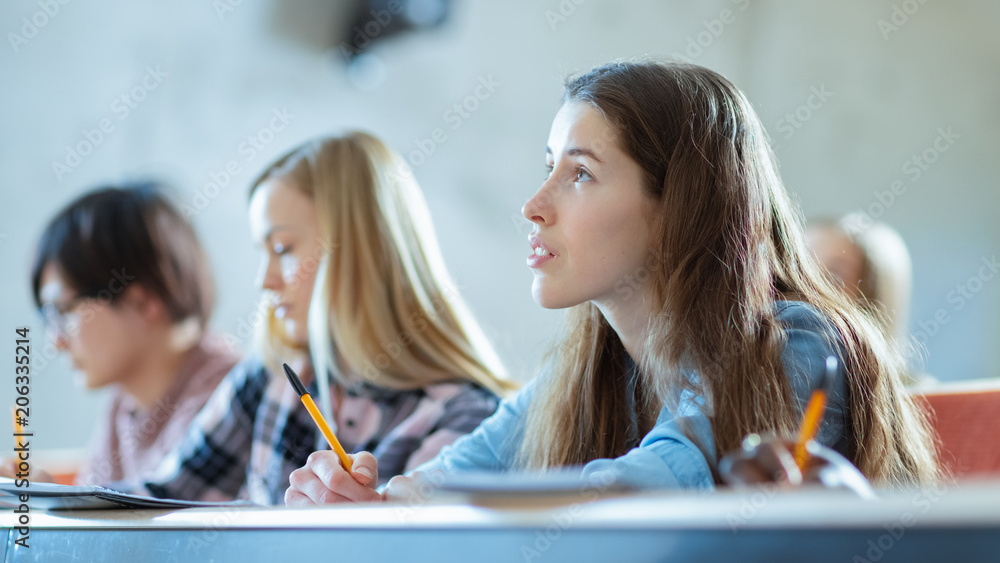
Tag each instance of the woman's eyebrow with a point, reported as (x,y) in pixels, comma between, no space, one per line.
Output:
(270,233)
(578,151)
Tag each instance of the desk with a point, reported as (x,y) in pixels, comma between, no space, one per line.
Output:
(946,524)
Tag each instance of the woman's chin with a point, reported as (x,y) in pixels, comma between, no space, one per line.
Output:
(87,382)
(550,299)
(296,332)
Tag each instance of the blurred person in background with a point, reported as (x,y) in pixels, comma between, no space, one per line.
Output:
(125,288)
(870,261)
(358,301)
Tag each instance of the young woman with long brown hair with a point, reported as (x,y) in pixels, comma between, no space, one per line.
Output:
(697,315)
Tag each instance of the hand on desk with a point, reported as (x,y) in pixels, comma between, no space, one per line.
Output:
(770,460)
(8,469)
(324,480)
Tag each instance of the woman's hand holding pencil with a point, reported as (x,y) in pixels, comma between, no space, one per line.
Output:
(791,463)
(772,460)
(330,476)
(324,480)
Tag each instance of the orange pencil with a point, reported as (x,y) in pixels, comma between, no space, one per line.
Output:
(17,426)
(814,413)
(317,416)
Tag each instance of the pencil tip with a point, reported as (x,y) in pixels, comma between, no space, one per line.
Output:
(294,380)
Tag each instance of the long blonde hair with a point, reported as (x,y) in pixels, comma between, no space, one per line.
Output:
(886,275)
(384,309)
(729,244)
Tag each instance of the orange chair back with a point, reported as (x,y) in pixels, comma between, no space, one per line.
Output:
(966,417)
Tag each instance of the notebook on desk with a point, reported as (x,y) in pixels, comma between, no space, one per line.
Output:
(529,488)
(50,496)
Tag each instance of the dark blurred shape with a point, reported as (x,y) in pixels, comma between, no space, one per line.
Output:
(376,20)
(351,27)
(317,25)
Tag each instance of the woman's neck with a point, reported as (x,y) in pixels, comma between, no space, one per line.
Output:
(630,319)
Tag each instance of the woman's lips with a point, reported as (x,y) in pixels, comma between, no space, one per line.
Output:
(540,253)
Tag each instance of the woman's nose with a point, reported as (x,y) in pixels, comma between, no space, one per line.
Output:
(538,209)
(269,275)
(59,338)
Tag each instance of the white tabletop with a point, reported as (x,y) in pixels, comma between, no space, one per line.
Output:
(973,504)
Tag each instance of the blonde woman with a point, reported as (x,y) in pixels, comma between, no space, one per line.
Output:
(359,302)
(870,261)
(696,315)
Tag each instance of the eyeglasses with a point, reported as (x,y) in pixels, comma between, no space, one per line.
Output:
(63,320)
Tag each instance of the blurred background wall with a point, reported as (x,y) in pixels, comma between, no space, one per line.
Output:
(851,92)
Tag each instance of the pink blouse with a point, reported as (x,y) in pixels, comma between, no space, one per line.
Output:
(132,440)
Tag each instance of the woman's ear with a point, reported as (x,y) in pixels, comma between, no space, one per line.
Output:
(146,303)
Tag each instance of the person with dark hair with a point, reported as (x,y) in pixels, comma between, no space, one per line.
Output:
(124,287)
(697,316)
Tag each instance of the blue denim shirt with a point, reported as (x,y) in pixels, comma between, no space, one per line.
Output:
(665,457)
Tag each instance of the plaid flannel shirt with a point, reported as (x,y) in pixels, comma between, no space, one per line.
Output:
(254,432)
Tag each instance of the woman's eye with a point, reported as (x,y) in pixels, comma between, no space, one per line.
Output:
(582,175)
(548,170)
(281,249)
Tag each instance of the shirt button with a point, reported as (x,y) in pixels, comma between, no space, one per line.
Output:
(350,423)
